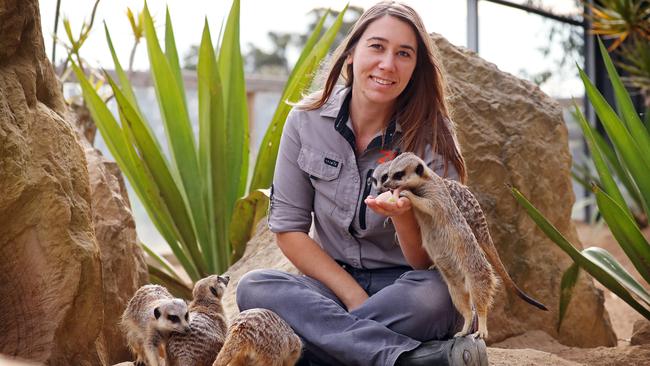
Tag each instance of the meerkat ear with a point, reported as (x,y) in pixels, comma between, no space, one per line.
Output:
(419,170)
(156,313)
(223,279)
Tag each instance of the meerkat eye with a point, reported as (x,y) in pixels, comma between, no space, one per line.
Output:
(173,318)
(398,175)
(384,178)
(214,291)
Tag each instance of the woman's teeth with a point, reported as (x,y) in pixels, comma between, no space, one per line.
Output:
(382,81)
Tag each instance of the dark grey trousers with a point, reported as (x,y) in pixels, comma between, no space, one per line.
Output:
(405,307)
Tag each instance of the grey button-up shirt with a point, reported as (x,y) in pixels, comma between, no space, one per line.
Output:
(318,171)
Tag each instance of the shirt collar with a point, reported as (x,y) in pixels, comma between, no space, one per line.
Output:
(333,106)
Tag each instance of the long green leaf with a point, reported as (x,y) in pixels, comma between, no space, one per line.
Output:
(268,151)
(625,105)
(231,67)
(172,54)
(608,263)
(162,261)
(598,273)
(621,172)
(179,131)
(626,232)
(633,158)
(159,170)
(606,178)
(309,46)
(127,159)
(248,212)
(177,288)
(569,279)
(212,149)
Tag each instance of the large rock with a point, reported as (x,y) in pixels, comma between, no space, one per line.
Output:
(123,266)
(51,295)
(69,259)
(512,133)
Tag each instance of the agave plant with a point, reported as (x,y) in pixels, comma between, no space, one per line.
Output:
(631,153)
(198,200)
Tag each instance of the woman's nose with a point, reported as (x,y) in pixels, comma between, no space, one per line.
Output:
(387,62)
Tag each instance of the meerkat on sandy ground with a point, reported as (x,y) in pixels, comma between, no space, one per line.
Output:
(200,346)
(475,218)
(151,316)
(259,337)
(447,236)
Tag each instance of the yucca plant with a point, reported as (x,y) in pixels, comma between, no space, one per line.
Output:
(631,146)
(198,200)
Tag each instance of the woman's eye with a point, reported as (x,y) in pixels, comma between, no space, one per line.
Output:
(404,54)
(376,46)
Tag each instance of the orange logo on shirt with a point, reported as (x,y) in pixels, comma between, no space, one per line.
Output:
(388,155)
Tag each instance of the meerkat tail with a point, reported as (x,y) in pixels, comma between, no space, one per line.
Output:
(529,299)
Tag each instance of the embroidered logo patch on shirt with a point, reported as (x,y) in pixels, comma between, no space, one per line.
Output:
(387,155)
(331,162)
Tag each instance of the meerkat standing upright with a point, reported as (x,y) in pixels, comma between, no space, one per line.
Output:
(259,337)
(475,218)
(208,326)
(447,239)
(454,234)
(151,316)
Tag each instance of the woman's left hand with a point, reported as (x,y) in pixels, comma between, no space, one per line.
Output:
(388,204)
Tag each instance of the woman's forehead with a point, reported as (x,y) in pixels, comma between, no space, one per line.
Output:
(392,30)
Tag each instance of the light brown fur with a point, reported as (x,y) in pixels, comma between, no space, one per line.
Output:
(447,239)
(208,326)
(259,337)
(151,316)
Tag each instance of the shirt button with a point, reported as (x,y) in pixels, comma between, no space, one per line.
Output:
(355,263)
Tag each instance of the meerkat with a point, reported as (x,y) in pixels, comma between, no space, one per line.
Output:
(259,337)
(200,346)
(150,317)
(475,218)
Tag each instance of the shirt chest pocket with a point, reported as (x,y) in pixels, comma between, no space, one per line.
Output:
(324,170)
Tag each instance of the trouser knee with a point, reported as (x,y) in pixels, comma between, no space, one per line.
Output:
(252,289)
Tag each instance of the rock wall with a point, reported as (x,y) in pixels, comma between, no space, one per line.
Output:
(69,259)
(51,294)
(123,266)
(512,133)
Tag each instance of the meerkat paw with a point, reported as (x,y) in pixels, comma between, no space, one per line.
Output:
(482,334)
(461,334)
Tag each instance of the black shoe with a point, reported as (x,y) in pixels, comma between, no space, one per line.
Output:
(459,351)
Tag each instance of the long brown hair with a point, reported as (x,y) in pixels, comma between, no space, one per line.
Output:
(421,108)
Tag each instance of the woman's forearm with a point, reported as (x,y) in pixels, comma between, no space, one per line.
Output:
(410,239)
(311,260)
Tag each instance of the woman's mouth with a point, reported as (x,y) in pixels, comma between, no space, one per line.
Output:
(381,81)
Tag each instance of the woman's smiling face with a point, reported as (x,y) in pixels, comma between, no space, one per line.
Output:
(383,60)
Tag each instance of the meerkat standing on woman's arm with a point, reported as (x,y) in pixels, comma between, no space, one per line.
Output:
(259,337)
(208,326)
(151,316)
(447,239)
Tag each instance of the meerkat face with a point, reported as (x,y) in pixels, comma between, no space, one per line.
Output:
(380,176)
(172,316)
(211,287)
(406,171)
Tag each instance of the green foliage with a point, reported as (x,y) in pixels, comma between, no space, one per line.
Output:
(629,157)
(196,199)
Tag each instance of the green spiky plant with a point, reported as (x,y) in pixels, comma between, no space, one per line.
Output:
(631,146)
(199,201)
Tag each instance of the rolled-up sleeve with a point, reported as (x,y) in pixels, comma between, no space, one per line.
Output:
(292,194)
